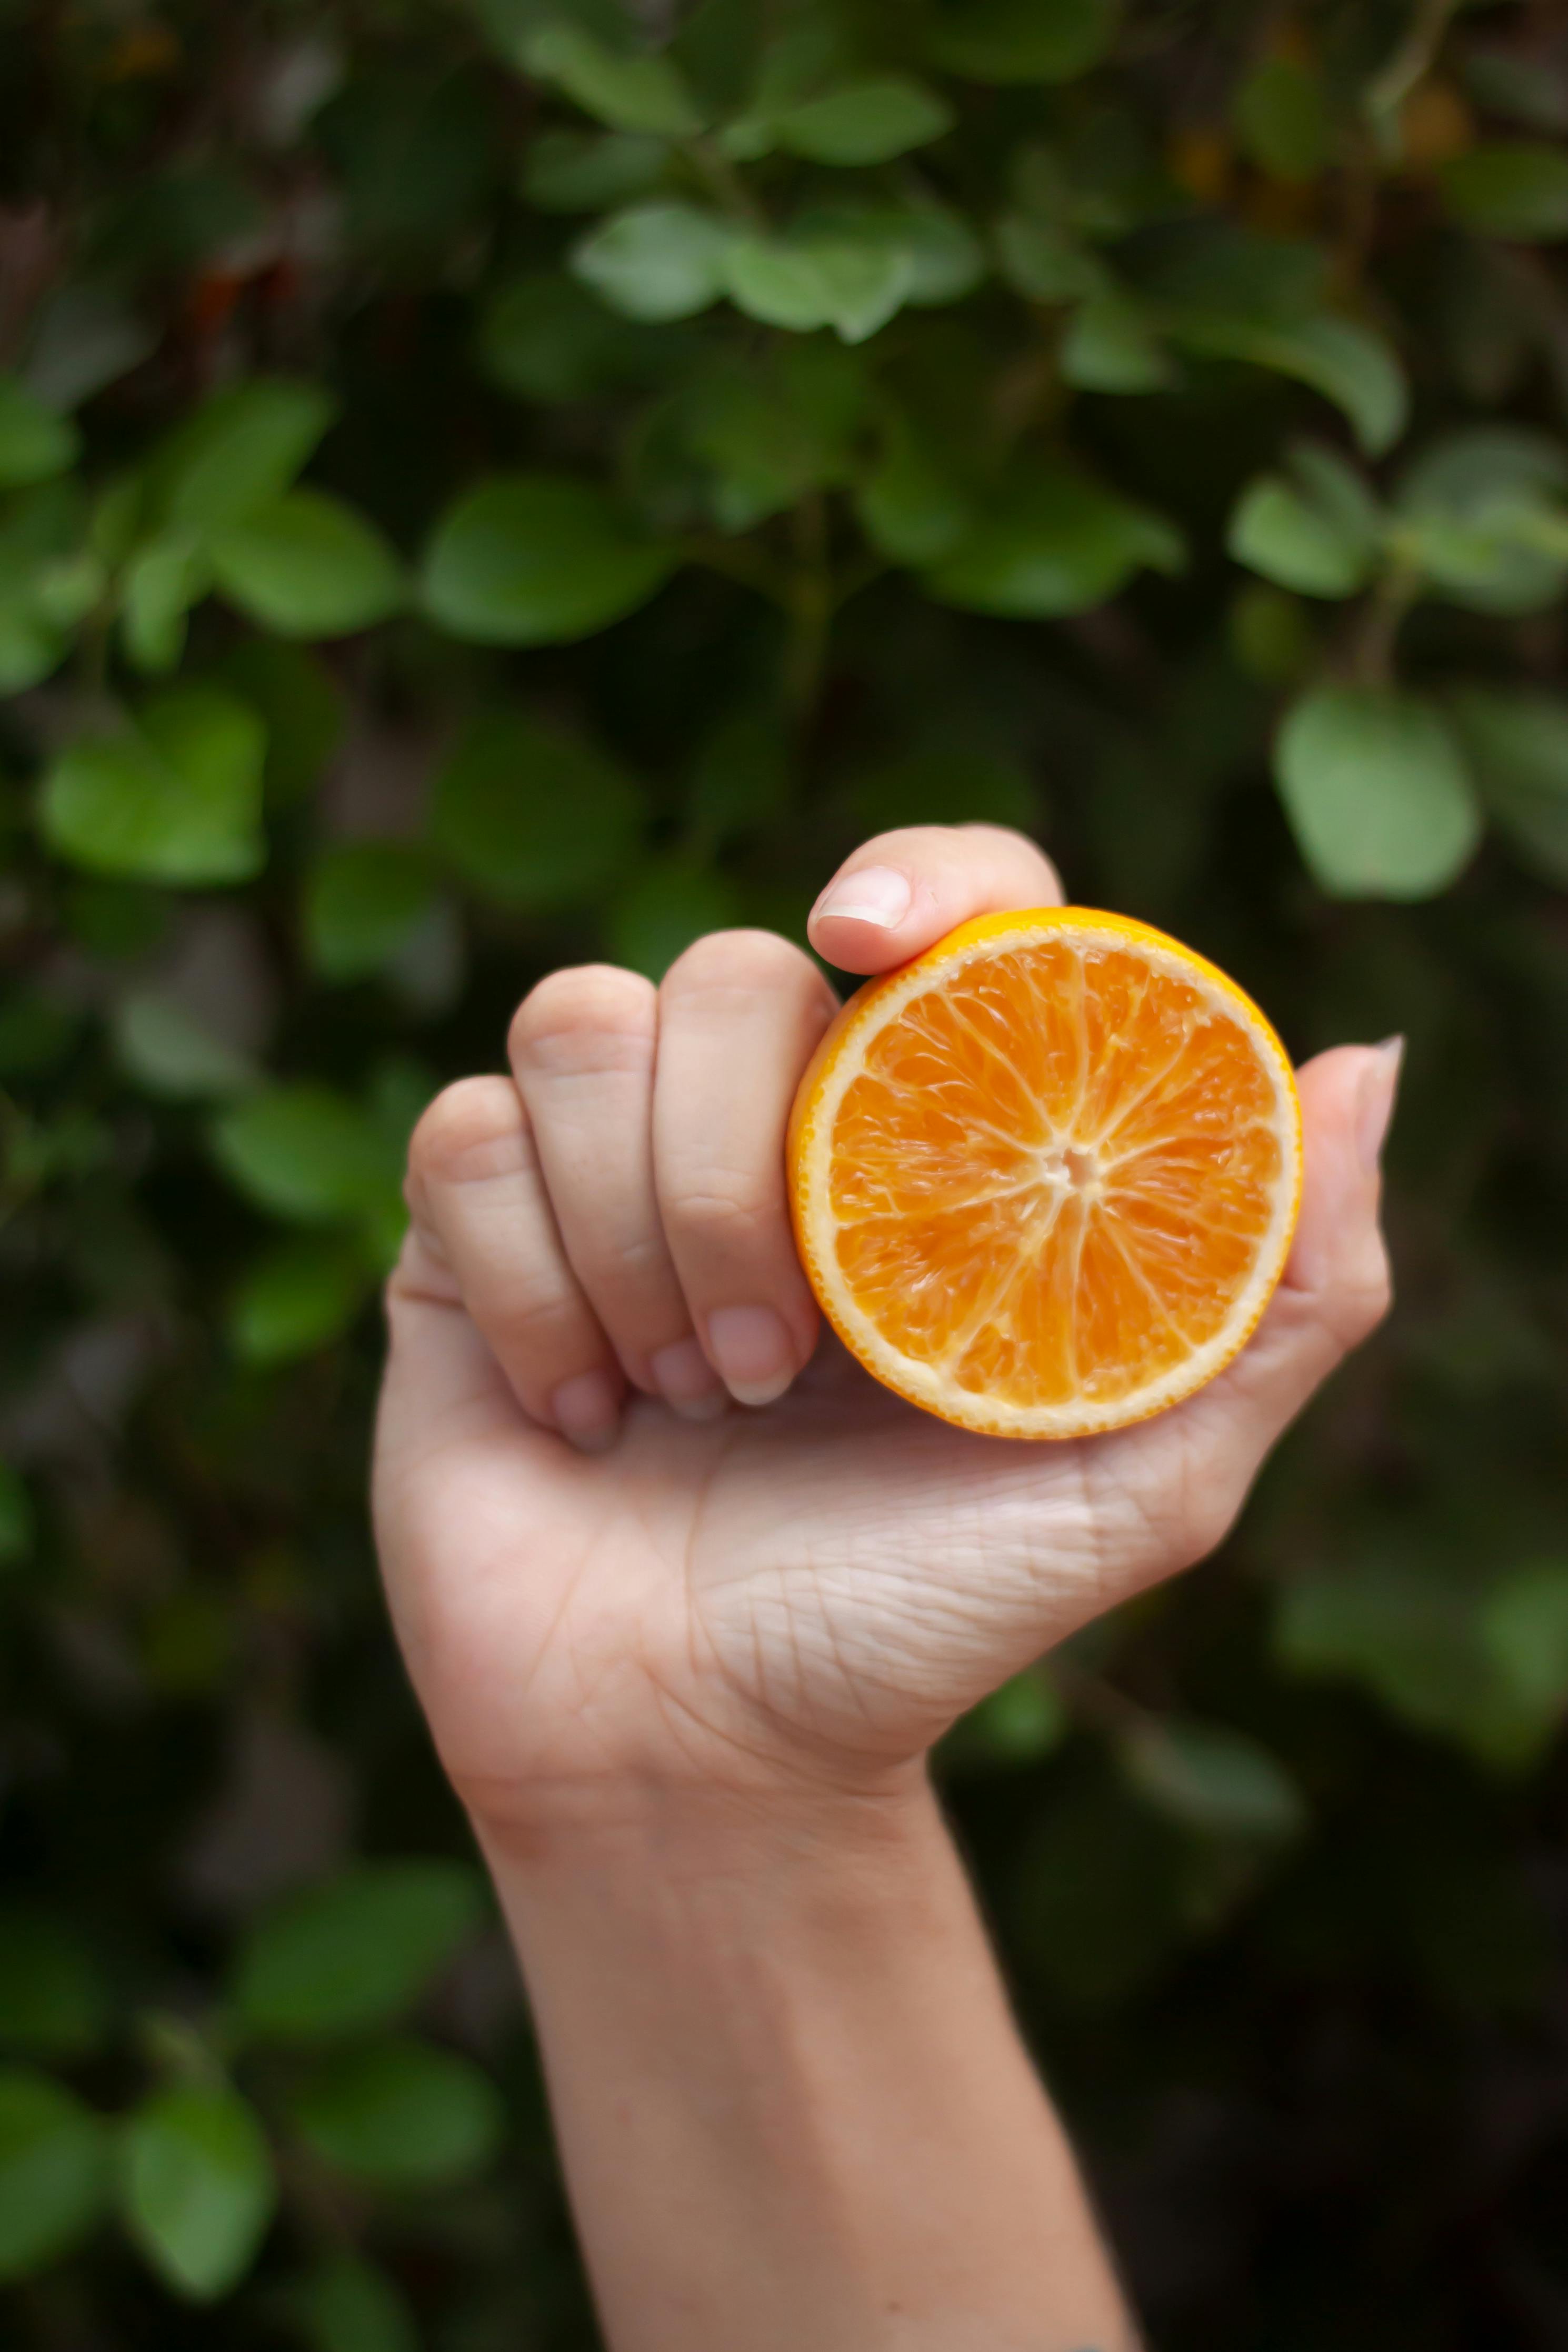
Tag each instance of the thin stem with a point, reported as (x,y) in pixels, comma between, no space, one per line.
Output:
(1372,650)
(1412,61)
(713,166)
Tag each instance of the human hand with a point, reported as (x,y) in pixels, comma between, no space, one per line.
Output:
(606,1575)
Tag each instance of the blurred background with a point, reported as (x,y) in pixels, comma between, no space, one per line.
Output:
(485,483)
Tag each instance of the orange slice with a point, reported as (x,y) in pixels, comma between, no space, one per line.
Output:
(1044,1178)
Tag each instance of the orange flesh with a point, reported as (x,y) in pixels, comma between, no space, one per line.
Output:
(1054,1174)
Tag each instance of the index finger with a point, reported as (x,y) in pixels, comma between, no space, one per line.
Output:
(901,891)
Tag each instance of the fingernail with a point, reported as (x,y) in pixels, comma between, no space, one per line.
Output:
(588,1412)
(875,894)
(1378,1088)
(751,1349)
(684,1379)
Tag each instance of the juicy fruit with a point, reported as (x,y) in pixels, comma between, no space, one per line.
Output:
(1044,1178)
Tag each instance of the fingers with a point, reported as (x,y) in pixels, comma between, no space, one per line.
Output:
(1335,1291)
(740,1014)
(898,894)
(482,1219)
(618,1210)
(582,1047)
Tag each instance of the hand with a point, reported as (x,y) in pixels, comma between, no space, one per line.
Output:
(607,1575)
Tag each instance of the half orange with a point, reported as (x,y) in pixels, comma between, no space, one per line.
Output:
(1044,1178)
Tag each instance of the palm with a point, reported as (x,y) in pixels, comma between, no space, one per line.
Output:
(834,1580)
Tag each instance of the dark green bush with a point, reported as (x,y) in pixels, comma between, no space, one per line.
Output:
(488,484)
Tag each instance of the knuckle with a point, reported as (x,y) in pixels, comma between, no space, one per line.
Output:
(474,1128)
(726,1211)
(589,1017)
(747,962)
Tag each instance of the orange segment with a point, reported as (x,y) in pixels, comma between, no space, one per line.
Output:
(1044,1179)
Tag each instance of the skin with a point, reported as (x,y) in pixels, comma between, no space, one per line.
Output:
(687,1598)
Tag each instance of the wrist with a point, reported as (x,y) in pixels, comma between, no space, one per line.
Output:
(684,1830)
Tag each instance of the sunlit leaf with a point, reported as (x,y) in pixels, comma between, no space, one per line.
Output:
(1376,791)
(197,2188)
(307,566)
(176,798)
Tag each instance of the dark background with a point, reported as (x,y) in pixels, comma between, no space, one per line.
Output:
(298,793)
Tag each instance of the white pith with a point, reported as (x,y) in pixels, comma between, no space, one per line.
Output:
(933,1385)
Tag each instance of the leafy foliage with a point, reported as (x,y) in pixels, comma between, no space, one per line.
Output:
(494,482)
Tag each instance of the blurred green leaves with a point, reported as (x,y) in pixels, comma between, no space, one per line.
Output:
(532,558)
(174,797)
(400,2115)
(529,817)
(1377,792)
(53,2171)
(355,1954)
(197,2187)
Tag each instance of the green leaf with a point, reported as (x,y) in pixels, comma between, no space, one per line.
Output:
(662,260)
(53,2172)
(868,121)
(1110,346)
(1483,514)
(1515,188)
(401,2115)
(1281,118)
(15,1517)
(363,902)
(628,90)
(175,798)
(530,817)
(803,281)
(1212,1779)
(307,566)
(587,171)
(299,704)
(349,2305)
(909,506)
(52,1997)
(357,1953)
(1043,261)
(297,1298)
(1376,791)
(160,584)
(197,2191)
(670,902)
(1318,531)
(1052,542)
(160,1044)
(35,442)
(1516,743)
(771,430)
(238,453)
(1349,363)
(1524,1626)
(1021,40)
(308,1154)
(536,559)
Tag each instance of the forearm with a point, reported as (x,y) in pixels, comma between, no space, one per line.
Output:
(793,2107)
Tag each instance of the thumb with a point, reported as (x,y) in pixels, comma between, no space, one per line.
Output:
(898,894)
